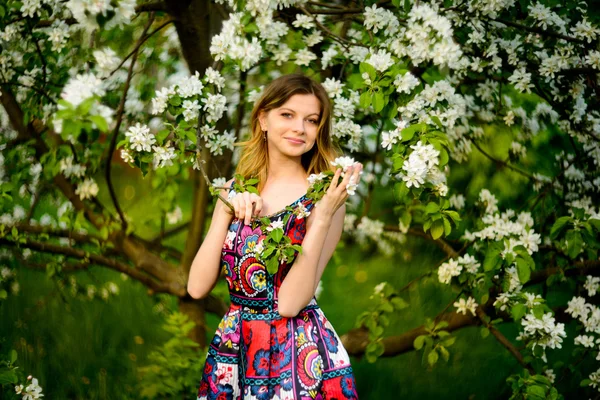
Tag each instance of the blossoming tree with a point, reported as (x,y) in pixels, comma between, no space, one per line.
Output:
(418,88)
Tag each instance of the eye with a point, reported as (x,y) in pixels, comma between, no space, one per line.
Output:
(313,121)
(285,114)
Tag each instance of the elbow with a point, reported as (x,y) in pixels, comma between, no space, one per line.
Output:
(195,292)
(287,310)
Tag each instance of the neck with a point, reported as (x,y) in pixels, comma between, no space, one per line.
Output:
(286,169)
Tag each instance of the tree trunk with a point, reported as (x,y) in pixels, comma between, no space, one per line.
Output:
(196,21)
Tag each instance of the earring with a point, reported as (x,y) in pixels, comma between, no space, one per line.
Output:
(264,136)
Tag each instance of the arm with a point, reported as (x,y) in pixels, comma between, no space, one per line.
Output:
(205,268)
(320,241)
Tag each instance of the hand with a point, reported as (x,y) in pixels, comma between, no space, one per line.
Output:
(245,204)
(336,194)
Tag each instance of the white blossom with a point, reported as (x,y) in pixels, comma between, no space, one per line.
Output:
(591,285)
(87,189)
(163,156)
(275,225)
(448,270)
(464,306)
(174,216)
(81,88)
(140,138)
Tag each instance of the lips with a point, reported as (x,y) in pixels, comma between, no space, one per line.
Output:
(296,141)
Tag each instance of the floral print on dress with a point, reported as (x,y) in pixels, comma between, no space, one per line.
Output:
(256,354)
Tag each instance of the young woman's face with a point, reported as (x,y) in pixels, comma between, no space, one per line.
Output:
(292,127)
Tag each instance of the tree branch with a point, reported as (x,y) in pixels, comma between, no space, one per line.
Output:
(503,340)
(503,163)
(39,230)
(119,120)
(147,280)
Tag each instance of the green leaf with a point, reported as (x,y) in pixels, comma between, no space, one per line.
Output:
(449,341)
(445,353)
(447,226)
(365,100)
(3,294)
(558,226)
(432,357)
(399,303)
(369,69)
(485,332)
(419,342)
(437,121)
(8,377)
(535,391)
(378,101)
(585,382)
(100,122)
(574,243)
(12,355)
(518,311)
(175,101)
(277,234)
(432,207)
(523,270)
(538,311)
(492,259)
(408,132)
(437,229)
(191,136)
(453,214)
(272,265)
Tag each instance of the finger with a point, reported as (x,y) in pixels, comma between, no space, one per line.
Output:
(240,206)
(357,173)
(248,208)
(346,179)
(234,203)
(259,205)
(334,180)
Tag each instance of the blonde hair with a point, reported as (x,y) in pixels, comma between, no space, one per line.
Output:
(254,159)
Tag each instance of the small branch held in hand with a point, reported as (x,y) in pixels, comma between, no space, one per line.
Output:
(199,162)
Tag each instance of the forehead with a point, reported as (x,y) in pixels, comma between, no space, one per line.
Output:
(303,104)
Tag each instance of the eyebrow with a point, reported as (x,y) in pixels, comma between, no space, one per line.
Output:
(289,109)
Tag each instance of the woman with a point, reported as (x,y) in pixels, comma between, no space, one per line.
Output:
(275,342)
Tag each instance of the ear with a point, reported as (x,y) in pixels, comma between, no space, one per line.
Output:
(262,120)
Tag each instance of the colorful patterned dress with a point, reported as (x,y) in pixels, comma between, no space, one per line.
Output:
(258,354)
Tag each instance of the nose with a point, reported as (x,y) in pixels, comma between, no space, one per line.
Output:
(299,125)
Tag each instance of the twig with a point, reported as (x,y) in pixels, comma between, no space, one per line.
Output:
(502,339)
(503,163)
(329,33)
(142,40)
(538,31)
(199,162)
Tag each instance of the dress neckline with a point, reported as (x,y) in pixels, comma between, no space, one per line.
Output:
(280,211)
